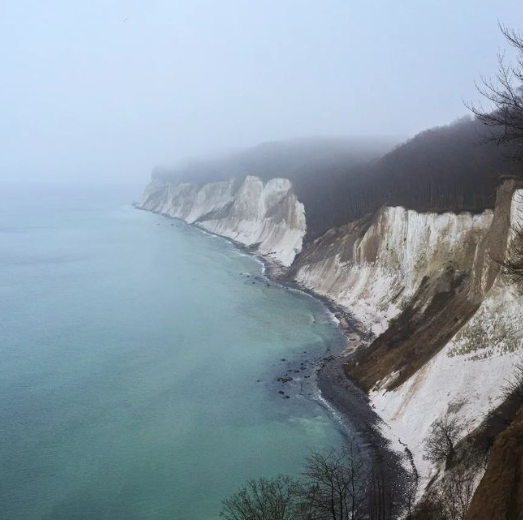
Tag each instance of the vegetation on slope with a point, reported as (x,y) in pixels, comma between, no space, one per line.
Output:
(450,168)
(317,167)
(335,485)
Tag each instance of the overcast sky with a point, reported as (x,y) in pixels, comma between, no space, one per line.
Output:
(106,89)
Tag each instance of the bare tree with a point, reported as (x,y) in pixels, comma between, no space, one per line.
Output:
(336,484)
(411,491)
(456,493)
(264,499)
(505,118)
(449,499)
(334,487)
(440,445)
(505,93)
(430,508)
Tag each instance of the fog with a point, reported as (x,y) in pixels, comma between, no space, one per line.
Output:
(105,90)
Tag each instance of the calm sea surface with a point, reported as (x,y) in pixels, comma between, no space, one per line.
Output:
(138,363)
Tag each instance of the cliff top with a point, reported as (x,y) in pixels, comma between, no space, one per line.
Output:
(448,168)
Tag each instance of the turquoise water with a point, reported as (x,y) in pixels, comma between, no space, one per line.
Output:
(138,363)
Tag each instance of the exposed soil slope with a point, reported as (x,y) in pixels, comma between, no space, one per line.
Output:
(499,495)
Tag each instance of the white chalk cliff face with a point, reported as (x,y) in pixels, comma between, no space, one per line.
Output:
(264,216)
(466,378)
(374,268)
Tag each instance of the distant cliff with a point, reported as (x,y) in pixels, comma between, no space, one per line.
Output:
(264,216)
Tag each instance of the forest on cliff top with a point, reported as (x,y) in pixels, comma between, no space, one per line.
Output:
(447,168)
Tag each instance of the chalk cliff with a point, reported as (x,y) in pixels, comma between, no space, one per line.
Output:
(265,216)
(446,328)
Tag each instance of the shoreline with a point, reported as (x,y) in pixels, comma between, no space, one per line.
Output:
(351,406)
(348,404)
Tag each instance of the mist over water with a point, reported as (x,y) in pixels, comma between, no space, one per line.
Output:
(98,89)
(138,363)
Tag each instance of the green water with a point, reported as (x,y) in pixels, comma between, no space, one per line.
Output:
(138,363)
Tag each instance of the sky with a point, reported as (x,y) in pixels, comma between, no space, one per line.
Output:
(104,90)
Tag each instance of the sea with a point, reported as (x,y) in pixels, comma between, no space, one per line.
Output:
(139,362)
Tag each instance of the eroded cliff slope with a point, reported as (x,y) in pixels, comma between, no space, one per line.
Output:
(448,326)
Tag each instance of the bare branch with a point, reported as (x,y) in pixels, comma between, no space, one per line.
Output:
(263,499)
(440,445)
(505,93)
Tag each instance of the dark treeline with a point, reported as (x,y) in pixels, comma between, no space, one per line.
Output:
(293,159)
(449,168)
